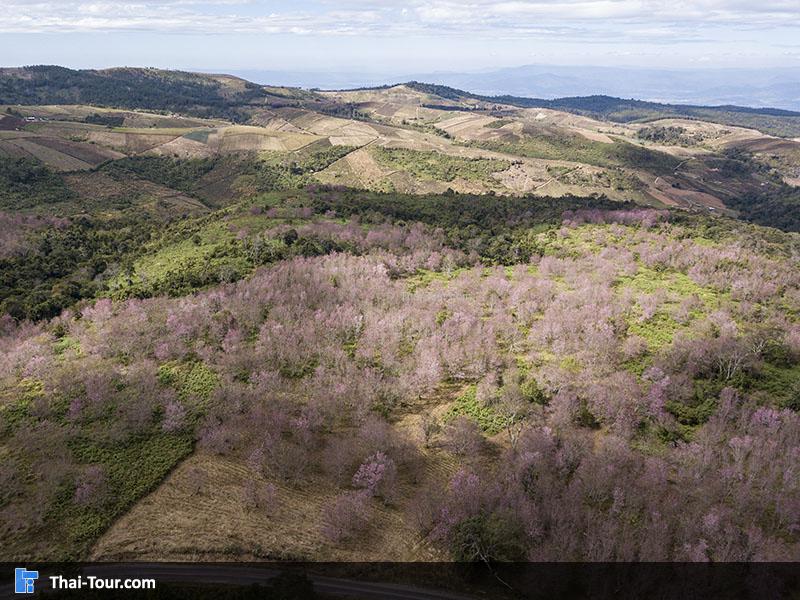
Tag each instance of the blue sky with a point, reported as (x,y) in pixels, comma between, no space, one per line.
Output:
(390,36)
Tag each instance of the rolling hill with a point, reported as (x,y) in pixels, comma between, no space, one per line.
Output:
(405,323)
(187,144)
(412,137)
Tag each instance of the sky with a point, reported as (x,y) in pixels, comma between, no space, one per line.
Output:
(396,37)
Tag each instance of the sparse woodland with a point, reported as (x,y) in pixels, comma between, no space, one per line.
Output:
(526,351)
(626,389)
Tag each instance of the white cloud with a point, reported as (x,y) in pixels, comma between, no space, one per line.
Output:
(589,19)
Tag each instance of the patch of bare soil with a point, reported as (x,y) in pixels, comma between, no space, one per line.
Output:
(49,156)
(665,189)
(368,172)
(10,123)
(89,153)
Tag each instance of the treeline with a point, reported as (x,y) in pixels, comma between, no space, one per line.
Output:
(109,120)
(491,214)
(26,183)
(173,91)
(177,174)
(776,207)
(668,135)
(64,265)
(499,231)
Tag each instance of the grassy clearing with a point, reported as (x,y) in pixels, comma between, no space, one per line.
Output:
(425,277)
(660,329)
(433,166)
(208,251)
(657,331)
(781,383)
(193,254)
(467,405)
(650,281)
(193,381)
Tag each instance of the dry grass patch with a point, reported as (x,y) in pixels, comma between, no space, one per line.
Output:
(200,511)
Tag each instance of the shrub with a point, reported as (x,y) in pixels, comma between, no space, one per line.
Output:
(91,488)
(378,476)
(347,516)
(496,537)
(463,437)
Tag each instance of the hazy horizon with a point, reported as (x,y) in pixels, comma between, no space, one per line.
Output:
(774,87)
(415,36)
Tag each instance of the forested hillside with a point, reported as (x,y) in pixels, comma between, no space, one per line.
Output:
(392,324)
(511,379)
(126,88)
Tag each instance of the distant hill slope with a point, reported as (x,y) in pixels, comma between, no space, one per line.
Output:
(195,94)
(225,96)
(412,138)
(778,87)
(775,121)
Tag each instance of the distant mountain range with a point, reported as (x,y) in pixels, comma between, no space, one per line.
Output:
(773,87)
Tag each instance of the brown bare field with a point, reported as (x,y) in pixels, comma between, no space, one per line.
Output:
(131,142)
(63,114)
(339,173)
(69,130)
(175,523)
(56,160)
(665,191)
(240,139)
(182,147)
(463,124)
(398,94)
(8,123)
(368,172)
(89,153)
(144,120)
(11,150)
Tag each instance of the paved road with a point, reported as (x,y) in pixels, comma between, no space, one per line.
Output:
(244,575)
